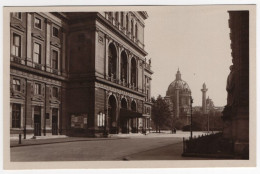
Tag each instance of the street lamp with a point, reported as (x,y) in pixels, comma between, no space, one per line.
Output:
(191,101)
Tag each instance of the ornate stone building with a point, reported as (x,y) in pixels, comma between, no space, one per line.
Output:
(79,74)
(236,112)
(178,96)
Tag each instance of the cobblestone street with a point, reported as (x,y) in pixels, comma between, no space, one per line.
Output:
(154,146)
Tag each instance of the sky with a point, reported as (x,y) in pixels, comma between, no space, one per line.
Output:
(195,40)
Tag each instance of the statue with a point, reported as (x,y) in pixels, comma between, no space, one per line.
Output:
(230,86)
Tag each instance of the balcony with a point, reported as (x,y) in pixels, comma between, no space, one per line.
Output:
(17,60)
(38,66)
(124,83)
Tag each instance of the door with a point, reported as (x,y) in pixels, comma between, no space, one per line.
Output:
(37,121)
(55,122)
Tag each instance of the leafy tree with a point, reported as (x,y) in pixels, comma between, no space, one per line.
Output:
(161,114)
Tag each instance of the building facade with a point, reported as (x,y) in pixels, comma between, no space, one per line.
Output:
(178,97)
(82,74)
(236,112)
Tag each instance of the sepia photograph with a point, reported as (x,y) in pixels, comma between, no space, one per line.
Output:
(122,84)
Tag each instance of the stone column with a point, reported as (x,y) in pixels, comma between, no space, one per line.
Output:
(22,116)
(204,90)
(28,104)
(106,55)
(63,53)
(129,68)
(119,63)
(43,121)
(58,124)
(29,39)
(48,46)
(50,116)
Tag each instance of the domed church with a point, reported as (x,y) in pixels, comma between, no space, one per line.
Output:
(178,97)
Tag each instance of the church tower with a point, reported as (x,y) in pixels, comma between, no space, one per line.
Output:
(204,90)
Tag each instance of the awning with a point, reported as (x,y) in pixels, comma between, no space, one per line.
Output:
(130,114)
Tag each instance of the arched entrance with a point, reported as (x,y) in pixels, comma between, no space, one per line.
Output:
(123,119)
(112,108)
(133,121)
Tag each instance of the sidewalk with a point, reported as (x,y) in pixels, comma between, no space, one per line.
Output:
(50,140)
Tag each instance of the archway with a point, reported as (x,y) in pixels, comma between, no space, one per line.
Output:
(123,118)
(133,121)
(112,108)
(112,61)
(124,68)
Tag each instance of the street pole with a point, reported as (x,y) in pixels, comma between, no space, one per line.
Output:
(191,101)
(208,123)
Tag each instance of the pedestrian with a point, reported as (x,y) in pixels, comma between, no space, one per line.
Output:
(175,130)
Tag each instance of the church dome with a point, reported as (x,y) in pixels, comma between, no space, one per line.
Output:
(178,83)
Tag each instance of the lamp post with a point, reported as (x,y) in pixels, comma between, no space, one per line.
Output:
(191,101)
(105,122)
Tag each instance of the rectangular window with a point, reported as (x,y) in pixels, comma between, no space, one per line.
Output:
(37,23)
(55,92)
(16,46)
(16,116)
(18,15)
(55,59)
(55,31)
(37,88)
(37,53)
(16,85)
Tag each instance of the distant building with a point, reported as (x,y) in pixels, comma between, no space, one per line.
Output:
(178,97)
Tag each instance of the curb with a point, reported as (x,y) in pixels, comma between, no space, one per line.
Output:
(55,142)
(220,156)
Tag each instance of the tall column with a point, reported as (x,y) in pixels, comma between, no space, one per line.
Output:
(28,105)
(119,63)
(204,90)
(29,40)
(106,55)
(129,69)
(63,53)
(48,46)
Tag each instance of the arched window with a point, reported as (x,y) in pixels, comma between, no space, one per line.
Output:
(122,18)
(133,72)
(133,106)
(127,22)
(132,27)
(123,103)
(112,59)
(124,67)
(136,31)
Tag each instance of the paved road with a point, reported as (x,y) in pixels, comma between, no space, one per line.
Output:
(152,146)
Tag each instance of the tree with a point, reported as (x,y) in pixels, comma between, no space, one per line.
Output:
(161,114)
